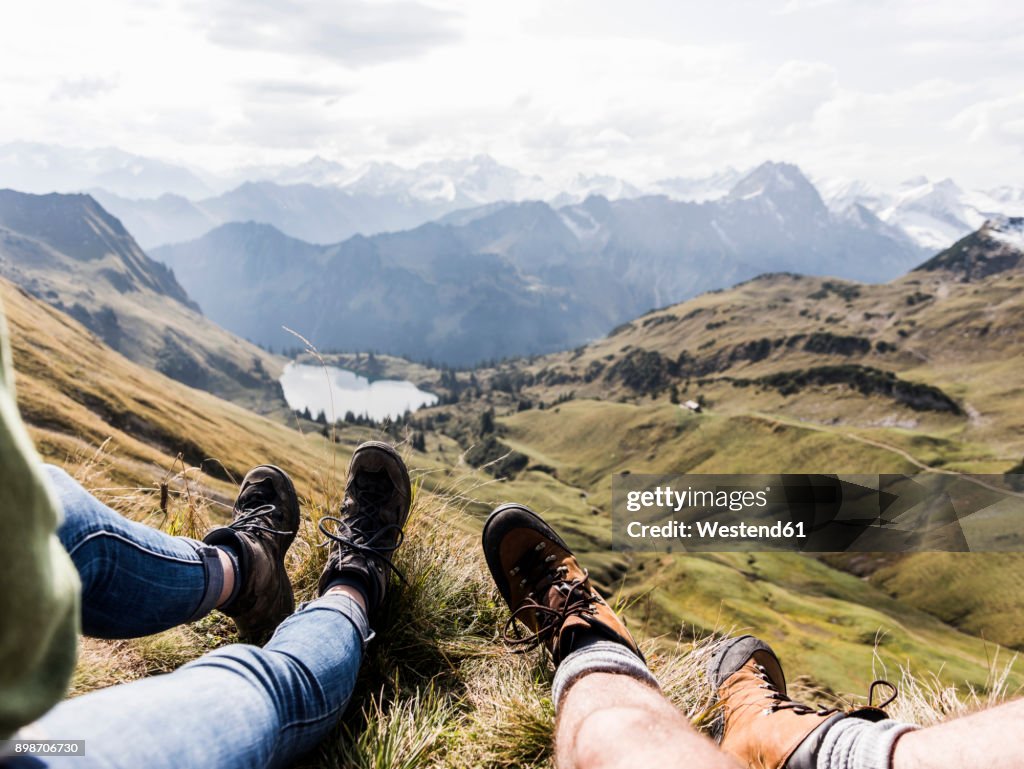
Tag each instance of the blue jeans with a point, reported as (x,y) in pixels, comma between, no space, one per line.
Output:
(237,706)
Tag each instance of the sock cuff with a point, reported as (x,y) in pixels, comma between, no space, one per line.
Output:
(853,743)
(599,657)
(214,570)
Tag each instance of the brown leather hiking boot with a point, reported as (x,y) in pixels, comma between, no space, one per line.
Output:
(369,527)
(265,520)
(545,586)
(759,724)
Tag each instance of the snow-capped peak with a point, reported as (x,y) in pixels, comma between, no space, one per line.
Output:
(773,178)
(934,213)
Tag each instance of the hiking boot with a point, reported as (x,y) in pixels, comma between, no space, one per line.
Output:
(545,586)
(758,723)
(369,527)
(263,527)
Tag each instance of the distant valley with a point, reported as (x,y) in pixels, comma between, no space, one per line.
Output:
(526,278)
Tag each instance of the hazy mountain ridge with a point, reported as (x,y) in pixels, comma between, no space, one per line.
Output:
(324,201)
(69,252)
(421,294)
(558,276)
(40,168)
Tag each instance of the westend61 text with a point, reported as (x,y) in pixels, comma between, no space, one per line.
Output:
(716,530)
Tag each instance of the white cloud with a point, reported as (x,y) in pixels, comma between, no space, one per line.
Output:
(996,121)
(868,88)
(84,87)
(351,32)
(796,6)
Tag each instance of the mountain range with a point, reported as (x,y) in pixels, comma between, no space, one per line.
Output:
(71,253)
(324,201)
(523,278)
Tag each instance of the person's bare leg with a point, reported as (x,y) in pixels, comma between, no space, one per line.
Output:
(986,740)
(610,720)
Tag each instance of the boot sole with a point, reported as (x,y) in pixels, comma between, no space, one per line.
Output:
(502,520)
(730,657)
(733,654)
(390,450)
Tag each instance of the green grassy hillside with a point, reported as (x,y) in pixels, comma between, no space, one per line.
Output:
(922,374)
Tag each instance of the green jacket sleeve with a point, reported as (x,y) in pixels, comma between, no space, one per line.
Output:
(38,583)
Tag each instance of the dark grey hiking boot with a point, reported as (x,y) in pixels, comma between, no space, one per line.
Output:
(370,526)
(265,520)
(545,586)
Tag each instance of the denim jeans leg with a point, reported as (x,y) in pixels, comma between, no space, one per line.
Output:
(135,580)
(239,707)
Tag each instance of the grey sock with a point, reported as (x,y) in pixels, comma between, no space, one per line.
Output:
(598,656)
(853,743)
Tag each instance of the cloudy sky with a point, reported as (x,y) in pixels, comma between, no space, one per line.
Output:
(876,89)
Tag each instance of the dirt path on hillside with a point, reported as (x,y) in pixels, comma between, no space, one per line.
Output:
(772,420)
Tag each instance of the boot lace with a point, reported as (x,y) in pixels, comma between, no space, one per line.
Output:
(578,600)
(782,701)
(358,527)
(259,517)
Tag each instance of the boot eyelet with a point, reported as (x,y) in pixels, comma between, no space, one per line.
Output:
(540,546)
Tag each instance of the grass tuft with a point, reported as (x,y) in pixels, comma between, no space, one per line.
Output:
(395,734)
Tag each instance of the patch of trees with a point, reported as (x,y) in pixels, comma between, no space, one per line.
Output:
(659,320)
(645,371)
(827,343)
(496,458)
(845,291)
(918,297)
(864,379)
